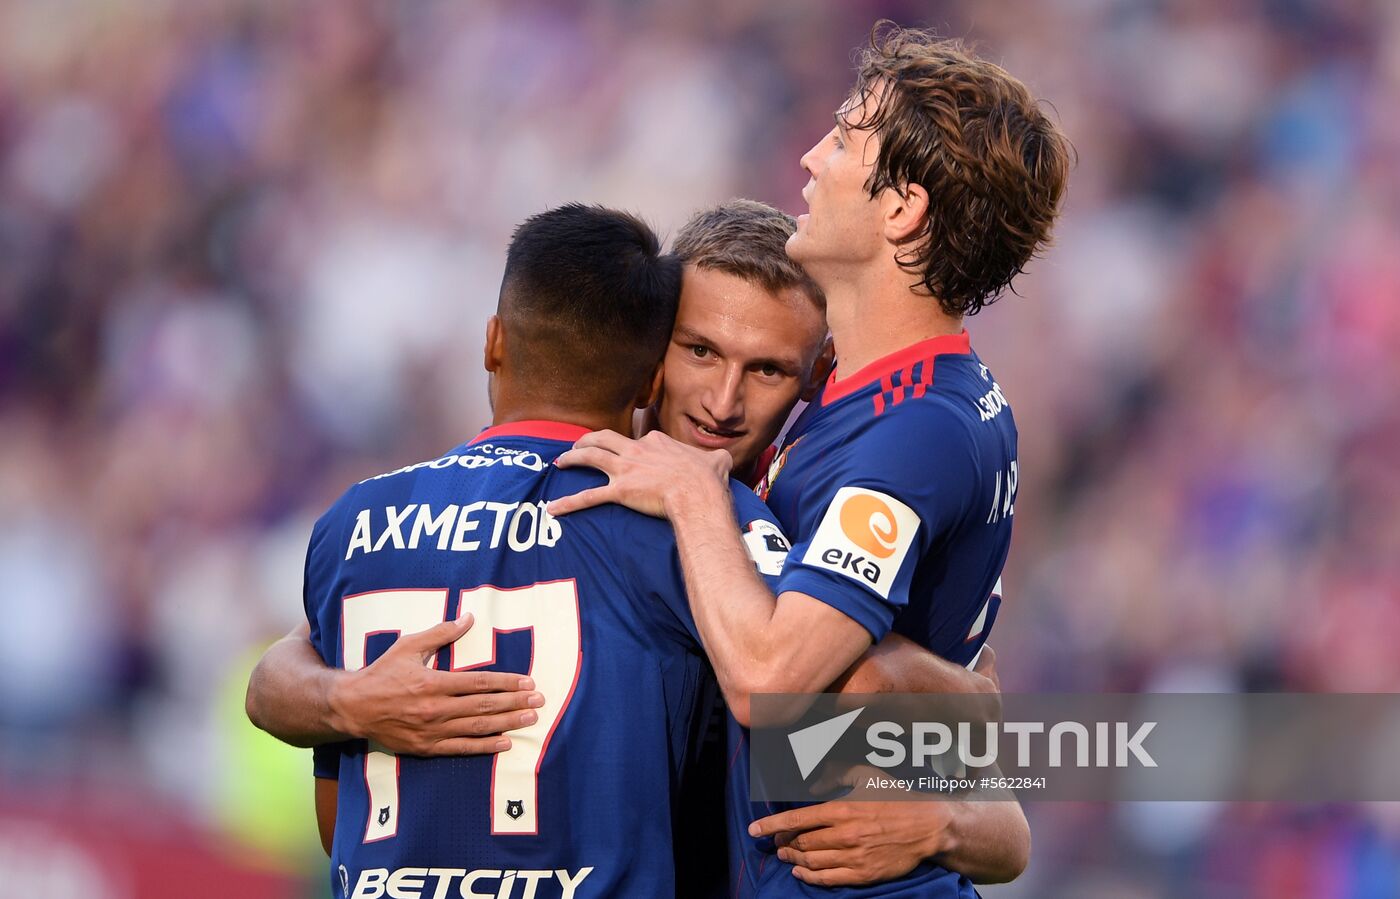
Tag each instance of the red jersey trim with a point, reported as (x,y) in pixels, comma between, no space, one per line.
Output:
(760,467)
(899,360)
(545,430)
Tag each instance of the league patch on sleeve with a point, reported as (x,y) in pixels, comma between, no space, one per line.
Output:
(864,535)
(767,546)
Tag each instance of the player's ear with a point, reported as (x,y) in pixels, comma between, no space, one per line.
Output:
(904,213)
(820,371)
(651,393)
(494,351)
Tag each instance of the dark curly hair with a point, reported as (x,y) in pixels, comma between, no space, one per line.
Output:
(970,134)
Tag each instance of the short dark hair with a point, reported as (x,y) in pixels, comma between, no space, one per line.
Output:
(588,300)
(995,167)
(747,239)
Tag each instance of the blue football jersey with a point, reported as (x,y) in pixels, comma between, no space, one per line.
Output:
(897,486)
(592,606)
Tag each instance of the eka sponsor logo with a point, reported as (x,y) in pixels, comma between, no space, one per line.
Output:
(864,535)
(869,523)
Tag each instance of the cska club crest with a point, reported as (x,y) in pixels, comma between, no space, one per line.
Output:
(384,816)
(515,808)
(765,485)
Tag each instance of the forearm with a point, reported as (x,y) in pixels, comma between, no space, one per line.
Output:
(756,642)
(289,694)
(733,608)
(986,842)
(899,665)
(327,801)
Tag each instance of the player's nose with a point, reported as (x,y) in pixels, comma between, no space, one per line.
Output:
(725,400)
(808,161)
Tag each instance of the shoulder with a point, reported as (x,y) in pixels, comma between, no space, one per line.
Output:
(350,501)
(747,505)
(927,434)
(919,461)
(622,530)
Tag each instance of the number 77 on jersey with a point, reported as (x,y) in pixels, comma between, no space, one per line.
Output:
(548,610)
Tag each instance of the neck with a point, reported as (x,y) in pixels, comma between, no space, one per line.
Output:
(508,409)
(874,315)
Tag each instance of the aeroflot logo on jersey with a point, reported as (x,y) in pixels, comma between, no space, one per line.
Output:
(483,883)
(483,455)
(864,535)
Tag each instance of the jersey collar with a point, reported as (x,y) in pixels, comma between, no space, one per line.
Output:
(544,430)
(896,361)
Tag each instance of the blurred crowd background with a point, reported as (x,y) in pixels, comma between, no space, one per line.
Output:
(246,254)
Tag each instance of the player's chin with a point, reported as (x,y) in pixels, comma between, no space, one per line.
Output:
(797,244)
(743,457)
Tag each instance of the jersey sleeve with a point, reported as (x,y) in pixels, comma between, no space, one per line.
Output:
(902,489)
(325,761)
(656,559)
(763,537)
(323,615)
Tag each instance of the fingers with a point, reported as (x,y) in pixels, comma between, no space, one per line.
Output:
(584,499)
(467,683)
(722,462)
(427,642)
(483,704)
(829,877)
(773,824)
(468,746)
(487,725)
(987,664)
(986,659)
(797,819)
(605,461)
(816,861)
(822,839)
(611,441)
(588,453)
(468,734)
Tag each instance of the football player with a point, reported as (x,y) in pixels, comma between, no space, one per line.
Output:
(590,610)
(748,342)
(938,182)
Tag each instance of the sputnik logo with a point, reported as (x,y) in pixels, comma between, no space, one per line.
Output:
(811,744)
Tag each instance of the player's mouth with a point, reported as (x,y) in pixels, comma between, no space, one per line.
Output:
(712,436)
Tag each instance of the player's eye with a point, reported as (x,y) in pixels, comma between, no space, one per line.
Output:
(770,371)
(836,139)
(700,352)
